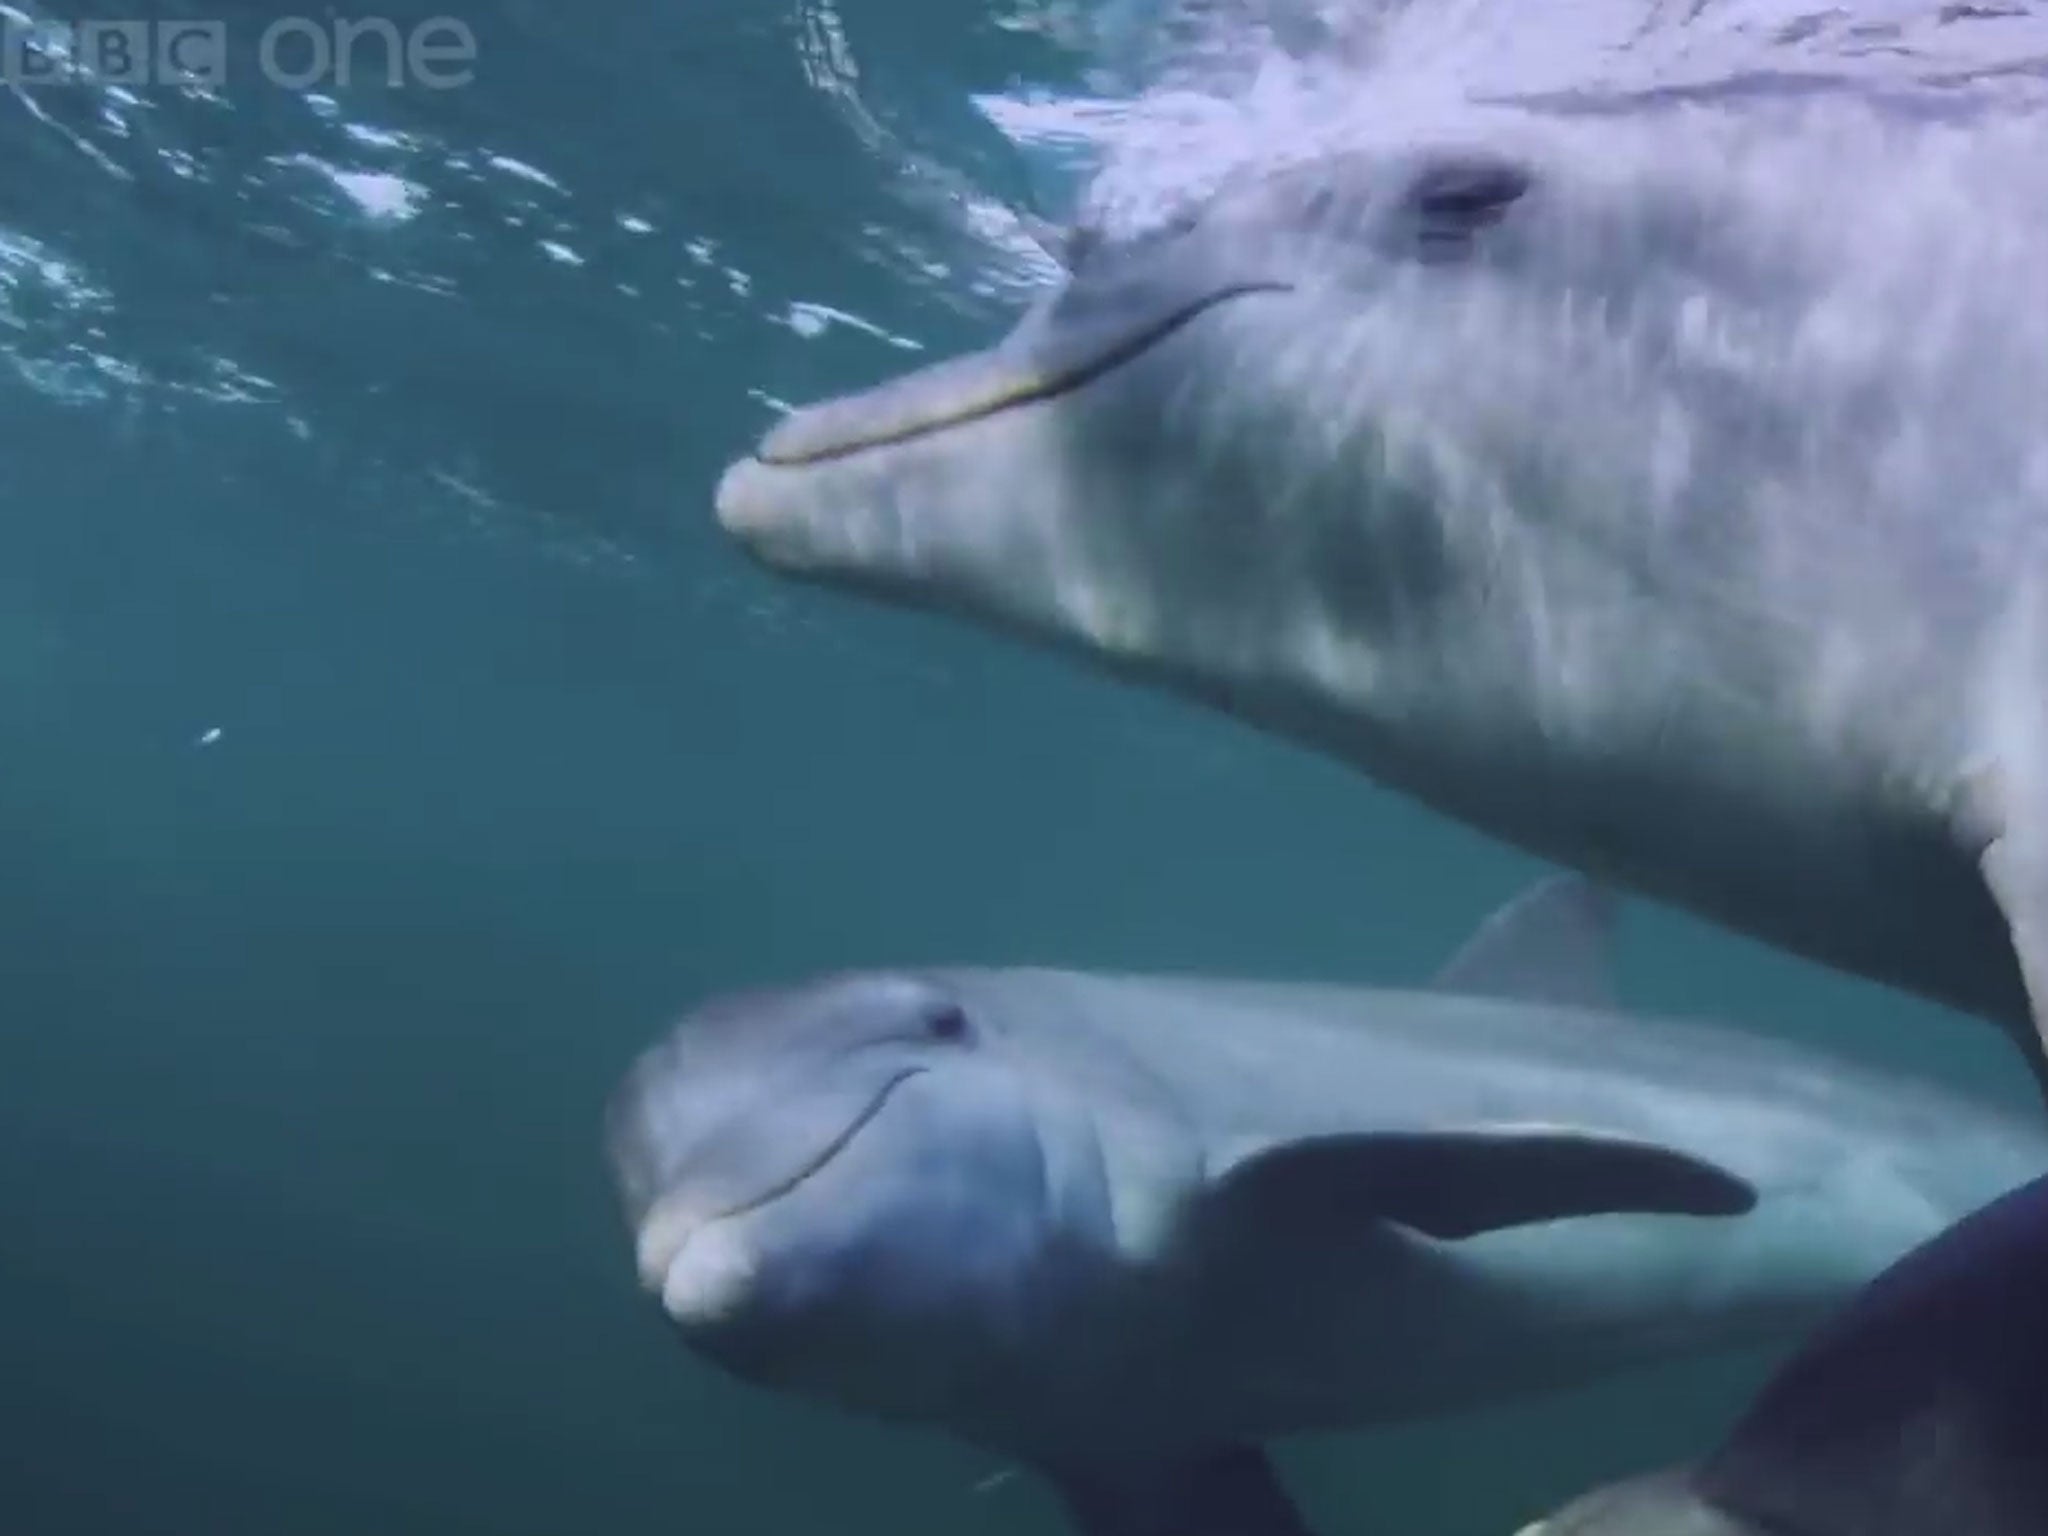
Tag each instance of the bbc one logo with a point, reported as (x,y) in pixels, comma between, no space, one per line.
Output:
(295,52)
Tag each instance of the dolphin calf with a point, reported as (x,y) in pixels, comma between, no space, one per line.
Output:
(1660,494)
(1124,1229)
(1917,1411)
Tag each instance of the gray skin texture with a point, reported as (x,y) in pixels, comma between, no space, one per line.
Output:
(1094,1222)
(1658,491)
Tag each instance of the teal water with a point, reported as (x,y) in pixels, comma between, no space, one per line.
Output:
(393,745)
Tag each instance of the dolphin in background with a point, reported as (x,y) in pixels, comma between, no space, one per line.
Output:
(1125,1229)
(1916,1411)
(1661,492)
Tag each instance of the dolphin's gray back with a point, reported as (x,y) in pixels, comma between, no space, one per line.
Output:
(1247,1062)
(1610,53)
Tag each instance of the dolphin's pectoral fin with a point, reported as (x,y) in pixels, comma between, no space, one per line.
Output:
(1548,945)
(1231,1491)
(1917,1408)
(2016,872)
(1998,805)
(1454,1184)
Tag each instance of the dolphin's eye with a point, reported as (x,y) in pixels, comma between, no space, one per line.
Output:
(947,1023)
(1455,198)
(1470,191)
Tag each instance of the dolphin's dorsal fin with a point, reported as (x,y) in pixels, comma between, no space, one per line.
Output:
(1551,944)
(1920,1408)
(1454,1184)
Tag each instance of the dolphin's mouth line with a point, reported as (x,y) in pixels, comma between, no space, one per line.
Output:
(832,1149)
(1021,388)
(669,1225)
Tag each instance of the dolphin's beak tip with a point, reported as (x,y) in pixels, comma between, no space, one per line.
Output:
(738,502)
(653,1249)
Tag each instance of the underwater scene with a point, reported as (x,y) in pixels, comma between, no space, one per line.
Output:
(1145,767)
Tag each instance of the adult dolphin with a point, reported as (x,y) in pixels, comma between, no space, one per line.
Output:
(1124,1229)
(1661,494)
(1917,1411)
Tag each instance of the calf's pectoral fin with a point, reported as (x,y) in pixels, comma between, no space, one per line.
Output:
(2016,872)
(1230,1491)
(1459,1183)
